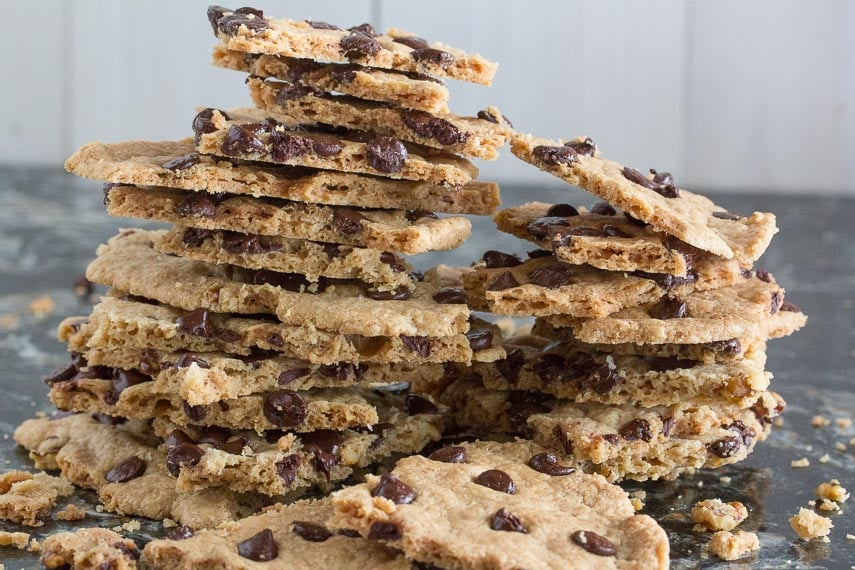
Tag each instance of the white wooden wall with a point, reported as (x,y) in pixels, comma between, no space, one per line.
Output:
(729,95)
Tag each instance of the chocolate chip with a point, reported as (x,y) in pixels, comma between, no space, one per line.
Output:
(776,299)
(503,520)
(412,42)
(183,532)
(386,154)
(259,547)
(510,366)
(203,123)
(416,404)
(504,281)
(725,215)
(122,380)
(635,429)
(322,25)
(234,446)
(551,277)
(433,56)
(555,155)
(426,125)
(635,221)
(358,45)
(523,405)
(384,531)
(594,543)
(130,468)
(325,145)
(669,307)
(365,28)
(197,323)
(668,425)
(392,488)
(347,221)
(546,227)
(496,480)
(295,282)
(214,15)
(725,447)
(637,177)
(603,209)
(285,408)
(585,147)
(275,339)
(243,139)
(614,231)
(561,211)
(342,370)
(286,146)
(392,261)
(194,413)
(239,243)
(149,363)
(496,118)
(183,454)
(664,184)
(332,250)
(189,358)
(249,17)
(324,445)
(451,296)
(310,531)
(538,253)
(197,205)
(548,463)
(666,280)
(730,346)
(414,215)
(346,73)
(601,380)
(288,376)
(494,259)
(747,434)
(401,293)
(790,307)
(419,344)
(177,437)
(194,237)
(60,374)
(287,469)
(480,339)
(182,162)
(451,454)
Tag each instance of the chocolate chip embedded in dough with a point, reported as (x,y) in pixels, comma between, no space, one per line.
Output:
(594,543)
(386,154)
(504,281)
(776,299)
(635,429)
(510,366)
(260,547)
(197,205)
(416,404)
(347,221)
(585,147)
(384,531)
(433,56)
(253,19)
(603,209)
(504,520)
(183,532)
(243,139)
(497,480)
(414,215)
(285,408)
(182,162)
(413,42)
(365,28)
(358,45)
(288,376)
(287,469)
(548,464)
(188,358)
(125,470)
(726,215)
(669,307)
(601,380)
(322,25)
(310,531)
(494,259)
(725,447)
(197,323)
(451,296)
(450,454)
(430,127)
(551,277)
(183,454)
(555,155)
(480,339)
(401,293)
(392,488)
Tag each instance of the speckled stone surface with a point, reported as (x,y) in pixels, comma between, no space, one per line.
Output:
(50,224)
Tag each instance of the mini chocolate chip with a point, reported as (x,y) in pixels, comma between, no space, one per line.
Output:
(594,543)
(347,221)
(183,532)
(234,446)
(413,42)
(197,323)
(392,488)
(194,413)
(725,447)
(775,304)
(243,139)
(561,211)
(494,259)
(384,531)
(551,277)
(555,155)
(504,281)
(451,454)
(287,469)
(386,154)
(182,162)
(236,242)
(603,209)
(197,205)
(288,376)
(322,25)
(358,45)
(637,428)
(259,547)
(548,463)
(60,374)
(451,296)
(496,480)
(601,380)
(790,307)
(668,425)
(503,520)
(669,307)
(285,408)
(416,404)
(310,531)
(189,358)
(392,261)
(130,468)
(414,215)
(433,56)
(725,215)
(183,454)
(480,339)
(419,344)
(401,293)
(510,366)
(426,125)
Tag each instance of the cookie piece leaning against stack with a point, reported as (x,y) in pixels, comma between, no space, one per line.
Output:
(257,348)
(647,357)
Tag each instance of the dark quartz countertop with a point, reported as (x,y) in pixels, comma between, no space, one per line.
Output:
(51,223)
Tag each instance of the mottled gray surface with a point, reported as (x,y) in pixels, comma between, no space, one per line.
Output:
(51,223)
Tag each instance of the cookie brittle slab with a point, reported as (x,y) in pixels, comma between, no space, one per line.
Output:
(176,164)
(653,199)
(501,506)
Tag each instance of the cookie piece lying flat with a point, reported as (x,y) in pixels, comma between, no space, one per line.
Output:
(288,536)
(703,316)
(654,199)
(578,373)
(251,32)
(607,240)
(115,324)
(129,262)
(27,498)
(142,163)
(480,505)
(98,456)
(89,548)
(253,134)
(621,441)
(391,230)
(400,89)
(469,136)
(543,286)
(380,269)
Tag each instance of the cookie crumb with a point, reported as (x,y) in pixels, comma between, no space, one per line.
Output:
(9,322)
(713,514)
(808,524)
(832,491)
(19,540)
(131,526)
(820,421)
(850,536)
(71,512)
(798,463)
(27,498)
(732,546)
(778,422)
(169,523)
(42,306)
(725,480)
(826,505)
(843,423)
(34,546)
(840,446)
(825,458)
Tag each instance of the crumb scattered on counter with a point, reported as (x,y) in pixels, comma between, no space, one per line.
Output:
(713,514)
(9,322)
(42,306)
(808,524)
(725,480)
(71,512)
(820,421)
(34,546)
(840,446)
(826,505)
(843,423)
(778,422)
(19,540)
(825,458)
(731,546)
(850,537)
(832,491)
(798,463)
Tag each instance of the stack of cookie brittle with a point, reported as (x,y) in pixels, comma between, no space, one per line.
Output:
(257,347)
(647,356)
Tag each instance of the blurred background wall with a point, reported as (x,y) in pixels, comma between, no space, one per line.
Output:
(728,95)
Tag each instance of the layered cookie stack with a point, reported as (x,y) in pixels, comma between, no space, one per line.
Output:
(255,348)
(647,358)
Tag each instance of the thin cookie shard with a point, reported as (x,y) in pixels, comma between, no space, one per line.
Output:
(653,199)
(253,134)
(532,512)
(401,89)
(130,263)
(390,230)
(89,548)
(249,31)
(293,536)
(176,164)
(469,136)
